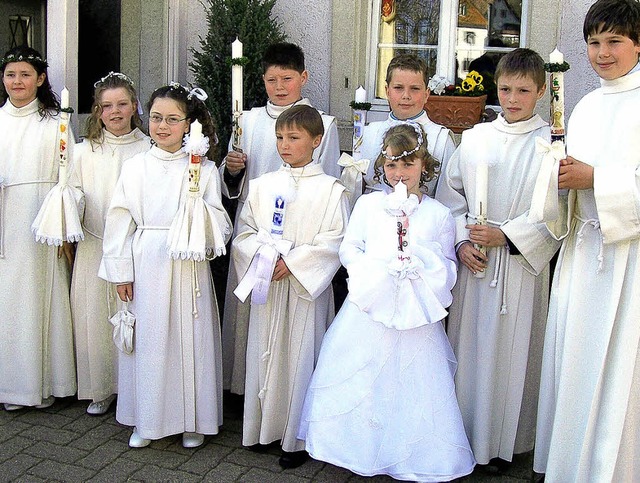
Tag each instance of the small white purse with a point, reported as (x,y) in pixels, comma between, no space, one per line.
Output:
(123,322)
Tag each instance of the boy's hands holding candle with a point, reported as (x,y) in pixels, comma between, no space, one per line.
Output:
(125,291)
(574,174)
(281,271)
(236,162)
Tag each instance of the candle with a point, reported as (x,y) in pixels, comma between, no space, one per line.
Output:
(401,189)
(361,95)
(196,132)
(482,179)
(277,222)
(556,91)
(236,77)
(556,57)
(64,98)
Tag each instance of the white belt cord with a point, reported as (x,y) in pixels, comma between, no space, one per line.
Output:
(596,226)
(4,186)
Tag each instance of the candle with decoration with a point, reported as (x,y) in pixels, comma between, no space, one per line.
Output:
(63,133)
(237,61)
(556,68)
(480,208)
(402,223)
(195,156)
(360,107)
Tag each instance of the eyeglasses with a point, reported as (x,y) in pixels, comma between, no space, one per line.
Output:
(171,120)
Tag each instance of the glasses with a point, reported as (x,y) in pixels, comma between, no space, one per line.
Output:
(171,120)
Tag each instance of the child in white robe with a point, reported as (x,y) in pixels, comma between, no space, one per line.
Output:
(113,135)
(286,252)
(285,75)
(382,398)
(590,390)
(171,383)
(407,92)
(36,346)
(496,323)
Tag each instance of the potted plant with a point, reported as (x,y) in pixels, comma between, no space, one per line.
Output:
(457,107)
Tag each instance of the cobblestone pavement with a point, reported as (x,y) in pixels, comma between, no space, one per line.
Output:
(63,443)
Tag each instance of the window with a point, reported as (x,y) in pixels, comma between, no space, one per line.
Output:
(448,34)
(20,29)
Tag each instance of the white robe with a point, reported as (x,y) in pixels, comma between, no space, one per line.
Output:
(93,301)
(172,382)
(286,332)
(496,323)
(36,347)
(259,143)
(589,413)
(382,399)
(440,145)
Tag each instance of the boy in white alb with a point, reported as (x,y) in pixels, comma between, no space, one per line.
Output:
(284,77)
(590,390)
(496,323)
(407,92)
(286,253)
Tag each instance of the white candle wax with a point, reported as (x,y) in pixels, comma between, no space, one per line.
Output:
(236,77)
(361,95)
(196,131)
(64,98)
(401,189)
(556,57)
(482,179)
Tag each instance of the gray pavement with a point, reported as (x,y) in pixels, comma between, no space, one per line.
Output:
(63,443)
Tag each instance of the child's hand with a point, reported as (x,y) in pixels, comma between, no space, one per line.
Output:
(281,271)
(236,162)
(472,258)
(125,291)
(487,236)
(574,174)
(68,250)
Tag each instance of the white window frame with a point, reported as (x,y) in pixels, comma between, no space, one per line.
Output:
(445,64)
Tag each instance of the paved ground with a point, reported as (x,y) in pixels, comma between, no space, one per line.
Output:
(63,443)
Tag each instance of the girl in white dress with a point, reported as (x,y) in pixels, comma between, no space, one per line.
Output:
(36,347)
(172,382)
(113,135)
(382,398)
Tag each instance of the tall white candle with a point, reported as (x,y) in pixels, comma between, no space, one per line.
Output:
(482,180)
(64,98)
(196,132)
(361,95)
(401,190)
(556,90)
(236,77)
(556,57)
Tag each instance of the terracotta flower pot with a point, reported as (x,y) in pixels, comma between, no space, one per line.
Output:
(455,112)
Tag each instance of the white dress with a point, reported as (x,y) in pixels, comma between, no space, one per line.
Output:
(382,399)
(36,347)
(440,145)
(590,390)
(172,382)
(93,301)
(496,323)
(286,332)
(259,144)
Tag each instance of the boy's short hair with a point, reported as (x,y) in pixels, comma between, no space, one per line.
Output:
(303,117)
(522,62)
(621,17)
(409,62)
(283,55)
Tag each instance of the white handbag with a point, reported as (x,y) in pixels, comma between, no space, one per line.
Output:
(123,322)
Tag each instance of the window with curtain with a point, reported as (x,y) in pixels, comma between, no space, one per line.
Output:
(453,37)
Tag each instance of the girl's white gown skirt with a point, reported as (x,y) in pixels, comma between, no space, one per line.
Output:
(382,401)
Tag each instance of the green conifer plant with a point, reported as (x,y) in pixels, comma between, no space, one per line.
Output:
(252,22)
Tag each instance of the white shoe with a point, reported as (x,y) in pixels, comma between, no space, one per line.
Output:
(100,407)
(46,403)
(137,441)
(12,407)
(192,440)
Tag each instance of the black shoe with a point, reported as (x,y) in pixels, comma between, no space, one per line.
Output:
(258,448)
(496,466)
(293,459)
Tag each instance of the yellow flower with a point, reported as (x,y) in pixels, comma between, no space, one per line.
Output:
(476,76)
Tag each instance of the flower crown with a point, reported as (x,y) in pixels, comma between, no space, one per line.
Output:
(111,74)
(416,127)
(32,59)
